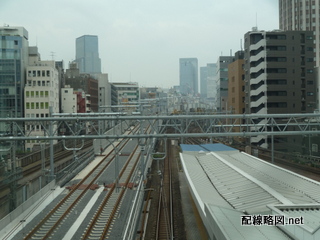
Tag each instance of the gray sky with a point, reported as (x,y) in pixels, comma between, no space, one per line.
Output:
(141,40)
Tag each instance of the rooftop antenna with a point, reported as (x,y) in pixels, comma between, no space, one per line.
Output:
(241,45)
(257,20)
(52,55)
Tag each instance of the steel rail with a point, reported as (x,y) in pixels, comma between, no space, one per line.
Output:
(104,203)
(68,196)
(165,219)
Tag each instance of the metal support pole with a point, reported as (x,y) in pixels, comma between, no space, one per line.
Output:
(100,133)
(51,146)
(116,164)
(272,144)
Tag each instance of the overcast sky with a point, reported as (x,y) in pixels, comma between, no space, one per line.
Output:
(141,40)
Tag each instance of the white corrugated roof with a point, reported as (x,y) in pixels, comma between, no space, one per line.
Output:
(241,192)
(242,183)
(229,223)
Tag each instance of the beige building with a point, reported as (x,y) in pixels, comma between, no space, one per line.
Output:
(236,96)
(41,92)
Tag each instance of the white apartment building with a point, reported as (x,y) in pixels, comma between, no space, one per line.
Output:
(68,100)
(40,93)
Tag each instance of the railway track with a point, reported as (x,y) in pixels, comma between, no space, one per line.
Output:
(51,222)
(101,223)
(165,205)
(162,212)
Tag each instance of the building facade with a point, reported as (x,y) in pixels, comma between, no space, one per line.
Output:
(303,15)
(14,48)
(87,83)
(87,54)
(41,93)
(127,92)
(203,82)
(279,77)
(211,83)
(222,83)
(236,96)
(188,69)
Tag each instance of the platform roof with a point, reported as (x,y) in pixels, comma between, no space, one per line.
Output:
(214,147)
(243,183)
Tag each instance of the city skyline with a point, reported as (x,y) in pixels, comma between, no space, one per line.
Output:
(142,41)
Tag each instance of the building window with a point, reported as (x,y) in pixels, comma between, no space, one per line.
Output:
(310,93)
(277,82)
(277,105)
(276,93)
(27,105)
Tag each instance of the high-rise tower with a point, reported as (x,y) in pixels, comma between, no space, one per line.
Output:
(188,76)
(87,54)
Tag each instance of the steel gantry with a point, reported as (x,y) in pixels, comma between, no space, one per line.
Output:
(243,125)
(86,126)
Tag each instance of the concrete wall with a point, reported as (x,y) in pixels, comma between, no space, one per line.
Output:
(22,209)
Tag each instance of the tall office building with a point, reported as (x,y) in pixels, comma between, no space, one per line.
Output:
(211,82)
(188,76)
(222,82)
(13,62)
(87,54)
(303,15)
(203,82)
(279,78)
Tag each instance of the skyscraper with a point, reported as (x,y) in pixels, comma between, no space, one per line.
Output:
(87,54)
(188,76)
(302,15)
